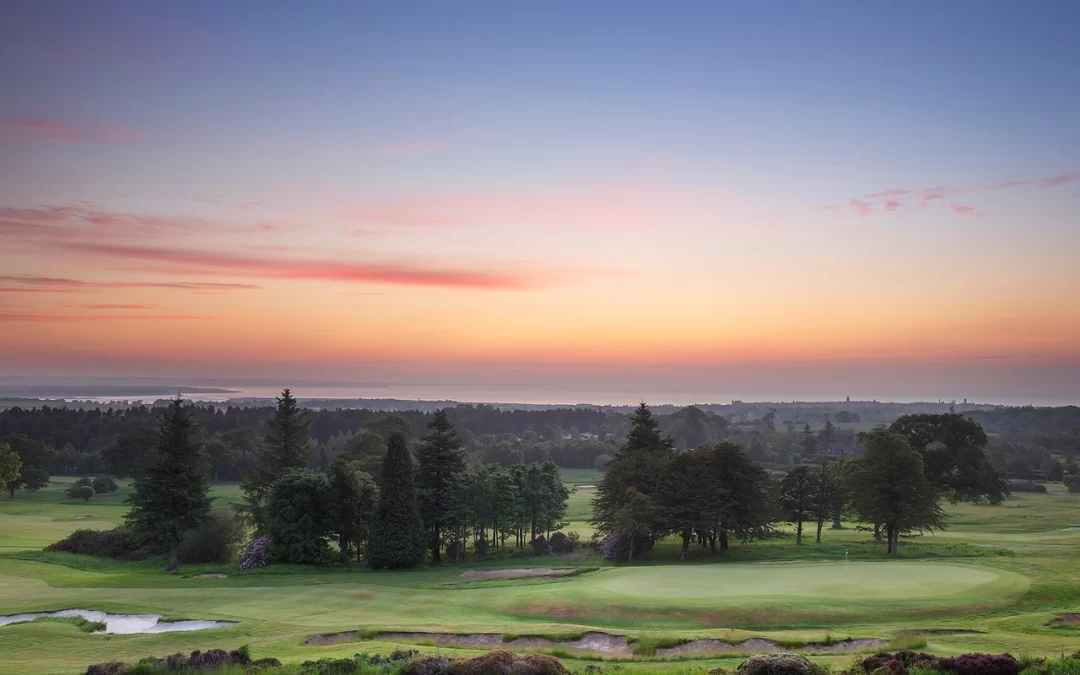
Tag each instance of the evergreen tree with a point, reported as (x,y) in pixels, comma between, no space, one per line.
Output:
(686,493)
(299,518)
(397,537)
(635,474)
(889,487)
(797,492)
(285,448)
(353,496)
(170,493)
(440,460)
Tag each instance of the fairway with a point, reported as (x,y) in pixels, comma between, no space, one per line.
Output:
(857,581)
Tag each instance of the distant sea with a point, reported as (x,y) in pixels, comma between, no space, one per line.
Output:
(468,393)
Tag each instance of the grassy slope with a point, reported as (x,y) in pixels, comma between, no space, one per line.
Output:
(1010,568)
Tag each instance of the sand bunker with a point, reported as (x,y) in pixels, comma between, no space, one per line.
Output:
(516,573)
(211,575)
(321,640)
(1065,620)
(124,624)
(759,645)
(606,643)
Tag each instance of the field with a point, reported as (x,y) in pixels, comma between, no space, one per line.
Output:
(990,583)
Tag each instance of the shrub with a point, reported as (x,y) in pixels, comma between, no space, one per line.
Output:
(1026,486)
(215,540)
(117,543)
(481,548)
(299,522)
(778,664)
(564,543)
(1072,482)
(104,484)
(74,491)
(256,555)
(212,660)
(540,546)
(980,664)
(496,662)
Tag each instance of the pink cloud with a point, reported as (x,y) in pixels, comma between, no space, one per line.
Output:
(268,225)
(36,284)
(85,220)
(861,207)
(119,307)
(42,128)
(1063,179)
(965,210)
(892,192)
(82,318)
(892,205)
(187,261)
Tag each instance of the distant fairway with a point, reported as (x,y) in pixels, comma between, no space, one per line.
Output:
(859,581)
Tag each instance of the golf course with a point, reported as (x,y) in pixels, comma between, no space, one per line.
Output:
(992,582)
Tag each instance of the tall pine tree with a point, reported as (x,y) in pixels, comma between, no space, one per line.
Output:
(285,448)
(634,475)
(440,461)
(171,491)
(397,532)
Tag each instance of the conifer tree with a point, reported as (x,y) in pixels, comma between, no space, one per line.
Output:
(397,536)
(285,448)
(171,491)
(440,461)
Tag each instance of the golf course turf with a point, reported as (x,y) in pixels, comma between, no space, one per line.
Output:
(992,582)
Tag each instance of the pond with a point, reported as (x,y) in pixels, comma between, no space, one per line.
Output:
(124,624)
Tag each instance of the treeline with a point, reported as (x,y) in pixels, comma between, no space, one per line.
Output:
(421,499)
(715,493)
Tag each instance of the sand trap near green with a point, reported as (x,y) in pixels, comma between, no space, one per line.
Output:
(855,581)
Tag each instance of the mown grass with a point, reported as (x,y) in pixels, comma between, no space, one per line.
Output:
(1023,539)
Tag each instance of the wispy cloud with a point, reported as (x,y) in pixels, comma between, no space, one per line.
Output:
(189,261)
(45,129)
(84,318)
(896,199)
(119,306)
(85,220)
(965,210)
(37,284)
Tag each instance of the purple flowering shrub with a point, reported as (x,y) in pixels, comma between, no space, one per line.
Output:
(256,554)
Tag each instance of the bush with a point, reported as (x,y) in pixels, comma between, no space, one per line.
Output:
(564,543)
(215,540)
(497,662)
(257,554)
(981,664)
(778,664)
(117,543)
(299,518)
(104,484)
(86,492)
(540,546)
(74,491)
(1025,486)
(1072,482)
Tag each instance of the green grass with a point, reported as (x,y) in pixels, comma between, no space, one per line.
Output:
(1004,571)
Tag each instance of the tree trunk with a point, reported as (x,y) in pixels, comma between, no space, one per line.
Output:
(893,535)
(435,545)
(798,533)
(836,519)
(685,545)
(877,531)
(723,542)
(630,553)
(11,491)
(174,552)
(820,524)
(712,543)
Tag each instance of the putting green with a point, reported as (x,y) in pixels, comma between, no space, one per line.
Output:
(861,581)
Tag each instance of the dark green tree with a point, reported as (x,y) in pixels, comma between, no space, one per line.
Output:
(397,537)
(440,460)
(828,494)
(888,486)
(743,502)
(170,493)
(287,446)
(10,466)
(809,441)
(797,493)
(635,472)
(687,496)
(130,451)
(353,497)
(953,448)
(299,510)
(37,461)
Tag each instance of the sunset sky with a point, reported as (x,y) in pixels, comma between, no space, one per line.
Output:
(668,200)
